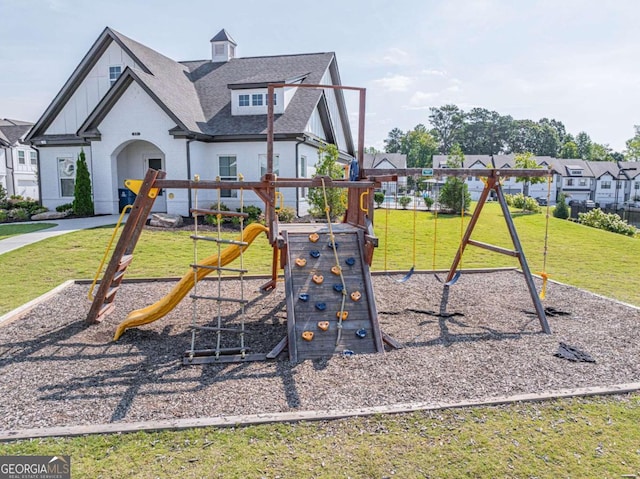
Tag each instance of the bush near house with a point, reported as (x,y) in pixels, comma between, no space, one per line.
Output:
(404,201)
(561,210)
(82,198)
(525,203)
(286,214)
(17,208)
(378,198)
(596,218)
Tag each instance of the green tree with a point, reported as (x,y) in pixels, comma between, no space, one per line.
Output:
(393,143)
(583,141)
(527,160)
(569,150)
(419,146)
(336,197)
(447,122)
(632,153)
(454,194)
(561,210)
(82,197)
(600,152)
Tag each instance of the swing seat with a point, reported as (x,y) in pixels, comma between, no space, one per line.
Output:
(452,281)
(406,276)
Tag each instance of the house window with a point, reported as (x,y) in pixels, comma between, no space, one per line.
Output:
(243,100)
(21,157)
(114,74)
(33,157)
(570,182)
(619,185)
(66,176)
(263,164)
(256,99)
(582,182)
(637,185)
(606,185)
(275,98)
(228,170)
(218,49)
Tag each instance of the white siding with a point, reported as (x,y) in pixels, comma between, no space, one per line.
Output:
(332,102)
(93,88)
(315,125)
(236,109)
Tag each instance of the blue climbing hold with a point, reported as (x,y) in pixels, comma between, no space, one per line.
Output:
(304,297)
(350,261)
(330,244)
(338,288)
(321,306)
(314,253)
(361,333)
(347,353)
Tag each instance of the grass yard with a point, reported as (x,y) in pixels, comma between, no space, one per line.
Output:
(596,437)
(14,229)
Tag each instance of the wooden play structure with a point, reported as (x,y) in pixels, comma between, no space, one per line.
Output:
(330,300)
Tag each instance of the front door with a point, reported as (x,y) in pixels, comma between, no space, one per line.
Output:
(157,163)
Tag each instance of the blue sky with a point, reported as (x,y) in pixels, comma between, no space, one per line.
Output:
(572,60)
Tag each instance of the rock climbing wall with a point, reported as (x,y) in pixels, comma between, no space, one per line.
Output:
(314,294)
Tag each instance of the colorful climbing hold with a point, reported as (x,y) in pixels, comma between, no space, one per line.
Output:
(330,245)
(338,288)
(336,270)
(303,297)
(344,315)
(314,253)
(361,333)
(307,335)
(314,237)
(301,262)
(347,353)
(355,296)
(317,278)
(321,306)
(350,261)
(323,325)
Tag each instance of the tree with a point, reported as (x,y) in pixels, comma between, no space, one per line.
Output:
(583,141)
(569,150)
(561,210)
(419,146)
(447,122)
(336,197)
(484,132)
(393,143)
(527,160)
(82,198)
(632,153)
(600,152)
(454,194)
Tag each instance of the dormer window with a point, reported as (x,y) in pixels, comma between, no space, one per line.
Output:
(218,49)
(243,100)
(256,99)
(114,74)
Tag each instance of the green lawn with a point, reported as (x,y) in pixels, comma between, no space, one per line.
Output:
(13,229)
(595,437)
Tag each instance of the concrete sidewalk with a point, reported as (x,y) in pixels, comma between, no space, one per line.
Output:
(63,226)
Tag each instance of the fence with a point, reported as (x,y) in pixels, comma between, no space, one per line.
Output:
(630,215)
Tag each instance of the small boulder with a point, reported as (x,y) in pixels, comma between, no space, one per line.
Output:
(51,215)
(164,220)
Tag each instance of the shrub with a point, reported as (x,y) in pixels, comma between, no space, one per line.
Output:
(452,193)
(404,201)
(3,216)
(428,202)
(3,197)
(213,219)
(28,204)
(65,207)
(561,210)
(18,214)
(378,198)
(286,214)
(596,218)
(525,203)
(254,213)
(336,197)
(82,199)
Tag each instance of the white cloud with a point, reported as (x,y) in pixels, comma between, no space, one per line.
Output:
(394,83)
(422,99)
(395,56)
(433,72)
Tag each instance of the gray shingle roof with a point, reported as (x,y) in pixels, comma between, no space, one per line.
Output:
(600,168)
(223,36)
(398,160)
(12,131)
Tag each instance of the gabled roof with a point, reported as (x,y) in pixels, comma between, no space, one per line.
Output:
(196,94)
(397,160)
(562,166)
(601,168)
(223,36)
(12,132)
(630,169)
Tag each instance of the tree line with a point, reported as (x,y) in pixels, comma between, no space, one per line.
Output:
(483,132)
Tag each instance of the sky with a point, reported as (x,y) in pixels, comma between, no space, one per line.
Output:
(573,60)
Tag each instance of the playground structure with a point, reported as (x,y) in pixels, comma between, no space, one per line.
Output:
(329,295)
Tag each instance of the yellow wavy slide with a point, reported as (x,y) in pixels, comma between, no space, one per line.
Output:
(162,307)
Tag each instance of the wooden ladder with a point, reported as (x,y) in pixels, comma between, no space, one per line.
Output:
(103,302)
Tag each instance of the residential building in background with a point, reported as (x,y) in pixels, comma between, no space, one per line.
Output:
(18,161)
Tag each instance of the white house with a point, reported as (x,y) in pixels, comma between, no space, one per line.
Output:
(388,161)
(131,108)
(18,161)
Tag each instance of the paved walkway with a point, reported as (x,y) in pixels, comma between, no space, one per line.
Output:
(63,226)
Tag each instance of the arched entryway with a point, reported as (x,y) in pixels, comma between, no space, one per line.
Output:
(133,158)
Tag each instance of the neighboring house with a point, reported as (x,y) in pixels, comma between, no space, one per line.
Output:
(131,108)
(575,179)
(631,172)
(18,161)
(388,161)
(608,185)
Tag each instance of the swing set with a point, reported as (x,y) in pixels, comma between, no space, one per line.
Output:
(493,179)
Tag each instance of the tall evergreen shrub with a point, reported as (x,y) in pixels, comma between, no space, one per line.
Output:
(82,198)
